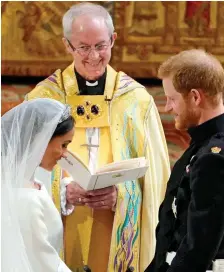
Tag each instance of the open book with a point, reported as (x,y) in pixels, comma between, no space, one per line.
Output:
(105,176)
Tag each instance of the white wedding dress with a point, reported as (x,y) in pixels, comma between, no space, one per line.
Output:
(42,230)
(31,226)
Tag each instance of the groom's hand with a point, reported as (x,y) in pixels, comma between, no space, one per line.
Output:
(75,194)
(105,198)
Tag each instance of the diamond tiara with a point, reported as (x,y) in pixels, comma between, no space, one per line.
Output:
(66,114)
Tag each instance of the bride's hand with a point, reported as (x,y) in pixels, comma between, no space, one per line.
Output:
(75,194)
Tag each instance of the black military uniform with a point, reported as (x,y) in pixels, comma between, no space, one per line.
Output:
(191,217)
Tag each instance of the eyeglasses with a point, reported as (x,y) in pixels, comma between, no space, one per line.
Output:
(85,50)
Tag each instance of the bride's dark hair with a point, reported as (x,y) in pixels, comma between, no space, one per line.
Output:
(64,127)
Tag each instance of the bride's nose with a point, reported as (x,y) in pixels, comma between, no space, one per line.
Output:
(64,155)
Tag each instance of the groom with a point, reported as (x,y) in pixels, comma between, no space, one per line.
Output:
(191,226)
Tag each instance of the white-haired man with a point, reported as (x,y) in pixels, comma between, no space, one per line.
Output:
(116,119)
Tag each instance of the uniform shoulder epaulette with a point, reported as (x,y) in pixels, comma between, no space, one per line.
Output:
(215,144)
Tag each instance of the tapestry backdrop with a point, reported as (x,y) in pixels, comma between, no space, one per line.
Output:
(148,32)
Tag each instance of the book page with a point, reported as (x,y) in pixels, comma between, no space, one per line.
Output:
(76,168)
(106,179)
(105,176)
(122,165)
(74,157)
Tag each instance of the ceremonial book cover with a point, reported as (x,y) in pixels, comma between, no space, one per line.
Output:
(105,176)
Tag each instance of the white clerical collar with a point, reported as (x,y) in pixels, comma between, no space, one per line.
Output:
(91,84)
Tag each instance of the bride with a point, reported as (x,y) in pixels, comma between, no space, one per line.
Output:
(35,133)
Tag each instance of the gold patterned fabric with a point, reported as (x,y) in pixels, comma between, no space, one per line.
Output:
(87,103)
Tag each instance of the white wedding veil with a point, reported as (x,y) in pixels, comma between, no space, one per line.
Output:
(25,133)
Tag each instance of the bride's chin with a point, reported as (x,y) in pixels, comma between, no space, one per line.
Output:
(48,168)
